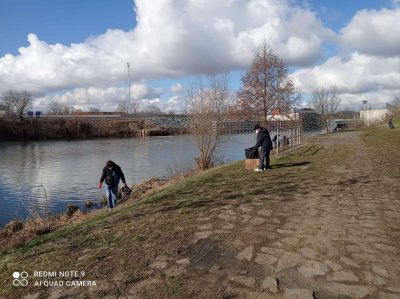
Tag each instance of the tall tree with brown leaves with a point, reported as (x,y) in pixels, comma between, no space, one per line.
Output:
(265,86)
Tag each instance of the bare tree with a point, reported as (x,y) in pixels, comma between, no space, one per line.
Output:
(326,102)
(396,102)
(17,102)
(123,107)
(394,106)
(134,107)
(171,112)
(93,109)
(4,110)
(153,109)
(58,108)
(266,86)
(208,100)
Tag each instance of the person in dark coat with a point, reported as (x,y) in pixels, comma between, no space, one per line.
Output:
(111,175)
(390,123)
(275,141)
(263,140)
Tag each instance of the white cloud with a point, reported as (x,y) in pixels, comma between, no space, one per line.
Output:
(106,99)
(172,38)
(177,88)
(375,32)
(175,104)
(355,76)
(375,98)
(370,70)
(175,38)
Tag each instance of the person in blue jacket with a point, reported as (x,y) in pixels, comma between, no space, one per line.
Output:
(263,140)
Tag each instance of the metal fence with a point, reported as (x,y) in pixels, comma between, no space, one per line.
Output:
(286,135)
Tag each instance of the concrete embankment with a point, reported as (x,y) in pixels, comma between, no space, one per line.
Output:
(42,129)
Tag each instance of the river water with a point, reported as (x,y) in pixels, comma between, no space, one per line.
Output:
(69,171)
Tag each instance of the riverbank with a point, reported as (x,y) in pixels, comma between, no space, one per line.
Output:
(76,128)
(21,231)
(323,222)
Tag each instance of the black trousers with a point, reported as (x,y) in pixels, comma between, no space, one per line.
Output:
(264,156)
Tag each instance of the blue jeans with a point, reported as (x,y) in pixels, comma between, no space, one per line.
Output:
(264,156)
(111,192)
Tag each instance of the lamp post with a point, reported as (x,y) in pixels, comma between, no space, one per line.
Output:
(365,104)
(129,89)
(365,110)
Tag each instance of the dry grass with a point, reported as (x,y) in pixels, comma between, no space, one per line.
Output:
(37,225)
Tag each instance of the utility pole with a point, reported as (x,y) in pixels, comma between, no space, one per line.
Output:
(129,89)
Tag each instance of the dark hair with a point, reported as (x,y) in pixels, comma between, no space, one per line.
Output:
(256,127)
(110,163)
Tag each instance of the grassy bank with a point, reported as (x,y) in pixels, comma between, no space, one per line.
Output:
(131,250)
(385,143)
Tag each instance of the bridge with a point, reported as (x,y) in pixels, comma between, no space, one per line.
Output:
(340,124)
(310,121)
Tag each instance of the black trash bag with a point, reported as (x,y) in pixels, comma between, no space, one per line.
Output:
(251,153)
(126,191)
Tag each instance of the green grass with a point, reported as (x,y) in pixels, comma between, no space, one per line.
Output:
(175,285)
(385,143)
(396,121)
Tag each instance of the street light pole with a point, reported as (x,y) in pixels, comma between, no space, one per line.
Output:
(129,89)
(365,111)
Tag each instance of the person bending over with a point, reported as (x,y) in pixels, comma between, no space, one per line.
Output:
(111,175)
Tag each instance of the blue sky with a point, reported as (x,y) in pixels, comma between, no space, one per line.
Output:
(336,13)
(159,75)
(60,21)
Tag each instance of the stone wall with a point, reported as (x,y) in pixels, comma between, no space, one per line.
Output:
(170,121)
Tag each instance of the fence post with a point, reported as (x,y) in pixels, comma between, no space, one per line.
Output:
(298,137)
(291,138)
(277,140)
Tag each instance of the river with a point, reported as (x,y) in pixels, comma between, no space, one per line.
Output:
(69,171)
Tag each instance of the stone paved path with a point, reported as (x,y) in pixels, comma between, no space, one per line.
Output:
(336,237)
(341,241)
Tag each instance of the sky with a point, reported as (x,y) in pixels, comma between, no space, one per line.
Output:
(76,52)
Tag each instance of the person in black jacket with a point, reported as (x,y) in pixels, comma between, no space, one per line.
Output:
(263,140)
(390,123)
(111,175)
